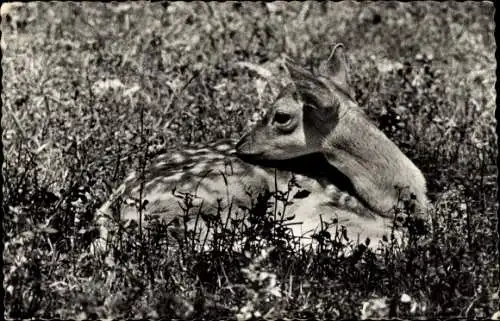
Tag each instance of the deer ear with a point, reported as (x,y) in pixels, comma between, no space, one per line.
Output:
(312,91)
(296,72)
(337,69)
(320,108)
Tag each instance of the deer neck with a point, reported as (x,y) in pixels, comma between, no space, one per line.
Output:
(373,163)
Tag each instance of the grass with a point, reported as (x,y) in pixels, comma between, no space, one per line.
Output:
(89,88)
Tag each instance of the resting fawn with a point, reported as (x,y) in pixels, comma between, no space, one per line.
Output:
(314,132)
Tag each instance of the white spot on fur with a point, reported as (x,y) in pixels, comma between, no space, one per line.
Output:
(343,198)
(214,156)
(223,147)
(176,177)
(160,164)
(177,157)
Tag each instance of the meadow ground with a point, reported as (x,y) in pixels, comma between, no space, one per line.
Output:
(88,88)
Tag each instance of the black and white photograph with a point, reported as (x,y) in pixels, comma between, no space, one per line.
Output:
(244,160)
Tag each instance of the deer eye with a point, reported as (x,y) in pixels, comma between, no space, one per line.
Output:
(282,118)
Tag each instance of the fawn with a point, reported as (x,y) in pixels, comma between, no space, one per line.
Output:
(315,133)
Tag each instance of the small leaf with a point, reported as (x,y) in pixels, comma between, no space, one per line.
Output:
(28,234)
(132,90)
(276,292)
(302,194)
(261,71)
(49,230)
(405,298)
